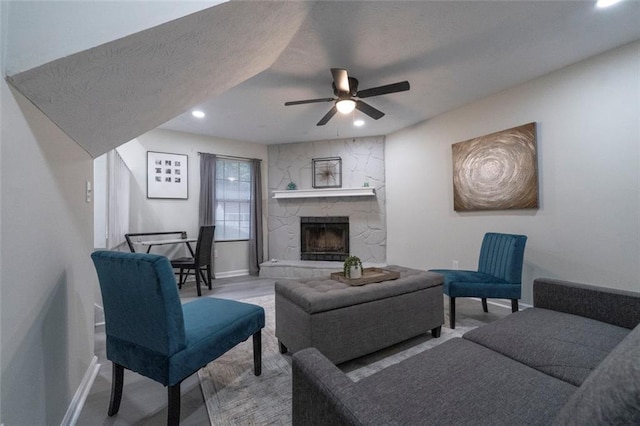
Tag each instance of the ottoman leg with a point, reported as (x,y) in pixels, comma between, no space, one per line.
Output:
(435,332)
(283,348)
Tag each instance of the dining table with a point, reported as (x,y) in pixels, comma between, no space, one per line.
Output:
(150,243)
(151,239)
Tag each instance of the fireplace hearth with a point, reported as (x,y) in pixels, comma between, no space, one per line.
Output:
(324,238)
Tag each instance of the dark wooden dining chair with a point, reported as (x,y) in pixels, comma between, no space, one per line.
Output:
(201,263)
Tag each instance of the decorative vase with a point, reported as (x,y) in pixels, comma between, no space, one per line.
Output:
(355,272)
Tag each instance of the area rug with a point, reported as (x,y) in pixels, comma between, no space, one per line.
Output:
(235,396)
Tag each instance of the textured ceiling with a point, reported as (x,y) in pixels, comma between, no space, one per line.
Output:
(451,52)
(110,94)
(240,61)
(43,31)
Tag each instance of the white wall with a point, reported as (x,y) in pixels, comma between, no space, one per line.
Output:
(149,215)
(47,278)
(588,225)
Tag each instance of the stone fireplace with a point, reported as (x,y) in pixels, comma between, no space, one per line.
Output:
(365,235)
(324,238)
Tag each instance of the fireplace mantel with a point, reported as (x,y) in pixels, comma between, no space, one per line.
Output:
(325,192)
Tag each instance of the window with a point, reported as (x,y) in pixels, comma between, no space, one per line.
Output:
(233,194)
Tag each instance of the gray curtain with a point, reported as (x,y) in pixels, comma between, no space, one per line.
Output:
(206,215)
(256,255)
(206,212)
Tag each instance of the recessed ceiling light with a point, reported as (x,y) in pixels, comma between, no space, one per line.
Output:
(606,3)
(358,123)
(198,114)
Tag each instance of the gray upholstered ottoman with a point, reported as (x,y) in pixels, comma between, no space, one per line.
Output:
(345,322)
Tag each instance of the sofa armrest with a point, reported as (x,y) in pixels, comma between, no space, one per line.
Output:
(323,395)
(617,307)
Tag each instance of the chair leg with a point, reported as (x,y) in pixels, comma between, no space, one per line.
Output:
(197,273)
(173,415)
(452,312)
(180,280)
(484,304)
(209,275)
(117,381)
(514,305)
(257,353)
(204,278)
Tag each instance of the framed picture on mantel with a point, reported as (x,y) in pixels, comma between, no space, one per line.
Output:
(167,175)
(327,172)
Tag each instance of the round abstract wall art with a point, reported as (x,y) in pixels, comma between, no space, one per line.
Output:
(497,171)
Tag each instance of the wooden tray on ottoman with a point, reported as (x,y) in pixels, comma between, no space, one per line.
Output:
(369,275)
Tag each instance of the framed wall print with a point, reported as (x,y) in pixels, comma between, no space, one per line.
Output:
(497,171)
(167,175)
(327,172)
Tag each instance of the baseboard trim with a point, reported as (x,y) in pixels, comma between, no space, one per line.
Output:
(75,408)
(229,274)
(503,303)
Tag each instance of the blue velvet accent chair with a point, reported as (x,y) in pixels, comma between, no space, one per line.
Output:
(499,273)
(150,332)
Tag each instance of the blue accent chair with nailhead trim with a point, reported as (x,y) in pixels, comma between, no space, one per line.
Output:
(499,273)
(150,332)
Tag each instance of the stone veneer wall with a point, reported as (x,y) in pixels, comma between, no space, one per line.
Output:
(362,161)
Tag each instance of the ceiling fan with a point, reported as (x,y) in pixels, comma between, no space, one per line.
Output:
(346,89)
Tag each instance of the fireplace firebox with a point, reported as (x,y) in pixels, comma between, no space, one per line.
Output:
(324,238)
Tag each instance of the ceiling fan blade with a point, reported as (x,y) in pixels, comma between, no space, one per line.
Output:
(327,116)
(341,79)
(383,90)
(369,110)
(308,101)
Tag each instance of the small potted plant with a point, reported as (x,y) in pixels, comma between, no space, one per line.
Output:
(352,267)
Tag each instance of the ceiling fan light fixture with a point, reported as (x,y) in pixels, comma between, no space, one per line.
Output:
(345,106)
(345,88)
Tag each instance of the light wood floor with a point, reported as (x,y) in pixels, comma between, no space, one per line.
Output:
(144,401)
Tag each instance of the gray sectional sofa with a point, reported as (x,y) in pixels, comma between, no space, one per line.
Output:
(572,359)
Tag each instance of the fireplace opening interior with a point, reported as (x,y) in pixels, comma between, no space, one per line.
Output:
(324,238)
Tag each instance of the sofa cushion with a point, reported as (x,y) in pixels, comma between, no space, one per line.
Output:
(323,395)
(565,346)
(613,306)
(611,394)
(324,294)
(460,382)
